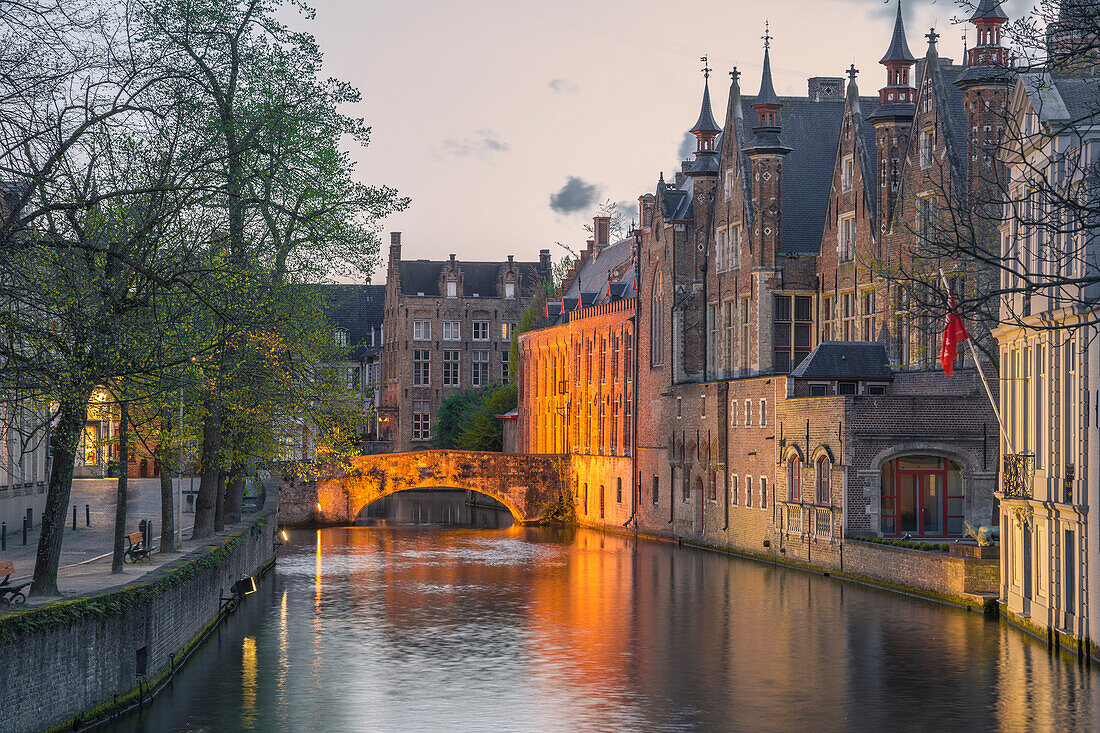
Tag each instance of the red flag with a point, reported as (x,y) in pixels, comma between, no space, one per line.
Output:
(954,333)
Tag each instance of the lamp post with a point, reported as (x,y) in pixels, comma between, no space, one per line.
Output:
(179,481)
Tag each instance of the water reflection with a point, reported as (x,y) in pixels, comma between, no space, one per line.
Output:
(436,628)
(452,507)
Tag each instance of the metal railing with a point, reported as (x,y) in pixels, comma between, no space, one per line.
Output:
(823,522)
(1018,475)
(794,519)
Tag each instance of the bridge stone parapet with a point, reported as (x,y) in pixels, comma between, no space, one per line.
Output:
(527,484)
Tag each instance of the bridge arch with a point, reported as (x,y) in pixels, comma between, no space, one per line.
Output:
(527,485)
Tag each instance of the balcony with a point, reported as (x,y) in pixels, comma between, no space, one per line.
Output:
(1018,475)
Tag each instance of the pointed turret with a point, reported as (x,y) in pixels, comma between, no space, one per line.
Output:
(987,62)
(897,98)
(988,9)
(767,105)
(706,131)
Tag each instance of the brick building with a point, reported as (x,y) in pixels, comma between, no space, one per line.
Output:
(788,396)
(448,326)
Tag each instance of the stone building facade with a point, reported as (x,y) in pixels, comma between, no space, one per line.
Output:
(788,398)
(448,326)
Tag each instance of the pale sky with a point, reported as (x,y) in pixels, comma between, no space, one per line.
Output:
(481,110)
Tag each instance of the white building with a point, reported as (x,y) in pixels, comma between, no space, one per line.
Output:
(1050,359)
(24,469)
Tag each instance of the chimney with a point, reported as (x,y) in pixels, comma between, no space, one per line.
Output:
(645,210)
(452,261)
(590,245)
(544,261)
(601,229)
(679,179)
(395,245)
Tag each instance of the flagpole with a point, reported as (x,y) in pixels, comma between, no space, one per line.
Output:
(981,374)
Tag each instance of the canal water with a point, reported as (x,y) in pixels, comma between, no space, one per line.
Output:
(443,627)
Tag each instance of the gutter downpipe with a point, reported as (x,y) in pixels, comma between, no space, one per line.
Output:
(635,479)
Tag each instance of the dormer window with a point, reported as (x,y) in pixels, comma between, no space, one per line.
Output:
(452,288)
(510,290)
(341,338)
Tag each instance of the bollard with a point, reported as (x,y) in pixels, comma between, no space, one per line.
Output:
(24,530)
(87,515)
(30,518)
(74,517)
(3,535)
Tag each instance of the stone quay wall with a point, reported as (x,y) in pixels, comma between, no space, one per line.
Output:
(66,664)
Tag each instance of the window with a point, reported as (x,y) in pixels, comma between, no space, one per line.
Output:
(792,330)
(926,146)
(479,368)
(748,413)
(422,330)
(867,312)
(507,331)
(510,290)
(656,324)
(733,414)
(685,489)
(712,333)
(846,388)
(628,436)
(451,331)
(615,357)
(848,316)
(452,288)
(763,492)
(601,502)
(721,248)
(876,389)
(481,331)
(421,368)
(727,186)
(824,478)
(590,364)
(628,359)
(748,491)
(828,318)
(926,218)
(794,479)
(819,390)
(733,490)
(763,412)
(845,237)
(451,367)
(656,488)
(703,406)
(618,491)
(603,359)
(505,366)
(679,408)
(351,378)
(341,338)
(744,333)
(846,169)
(730,331)
(733,243)
(421,425)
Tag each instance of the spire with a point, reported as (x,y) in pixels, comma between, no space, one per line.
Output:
(899,46)
(706,122)
(988,9)
(852,91)
(733,107)
(767,93)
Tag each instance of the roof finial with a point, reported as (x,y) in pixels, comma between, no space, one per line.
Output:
(852,71)
(735,75)
(767,36)
(706,67)
(932,37)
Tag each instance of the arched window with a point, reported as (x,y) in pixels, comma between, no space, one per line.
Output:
(824,484)
(794,479)
(657,322)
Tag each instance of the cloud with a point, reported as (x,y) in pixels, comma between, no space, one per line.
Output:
(629,210)
(479,145)
(575,195)
(687,146)
(562,86)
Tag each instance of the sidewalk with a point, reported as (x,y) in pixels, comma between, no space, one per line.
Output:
(86,552)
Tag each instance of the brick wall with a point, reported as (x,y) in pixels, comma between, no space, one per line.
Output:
(934,572)
(51,675)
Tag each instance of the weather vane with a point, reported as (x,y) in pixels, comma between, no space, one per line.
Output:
(767,36)
(706,67)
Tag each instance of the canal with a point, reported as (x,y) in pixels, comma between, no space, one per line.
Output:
(403,626)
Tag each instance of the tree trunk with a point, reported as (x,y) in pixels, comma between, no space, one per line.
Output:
(219,506)
(123,478)
(234,495)
(66,437)
(208,481)
(167,495)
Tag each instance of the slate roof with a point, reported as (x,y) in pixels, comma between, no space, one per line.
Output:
(1059,98)
(988,9)
(595,273)
(845,360)
(812,130)
(706,122)
(356,309)
(899,46)
(949,99)
(422,276)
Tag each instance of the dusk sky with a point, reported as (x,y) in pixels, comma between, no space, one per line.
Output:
(482,111)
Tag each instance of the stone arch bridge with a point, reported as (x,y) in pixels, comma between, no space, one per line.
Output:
(528,485)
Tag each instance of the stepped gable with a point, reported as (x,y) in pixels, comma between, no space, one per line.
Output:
(422,276)
(845,360)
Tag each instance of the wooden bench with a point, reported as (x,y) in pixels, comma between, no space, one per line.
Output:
(11,592)
(137,551)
